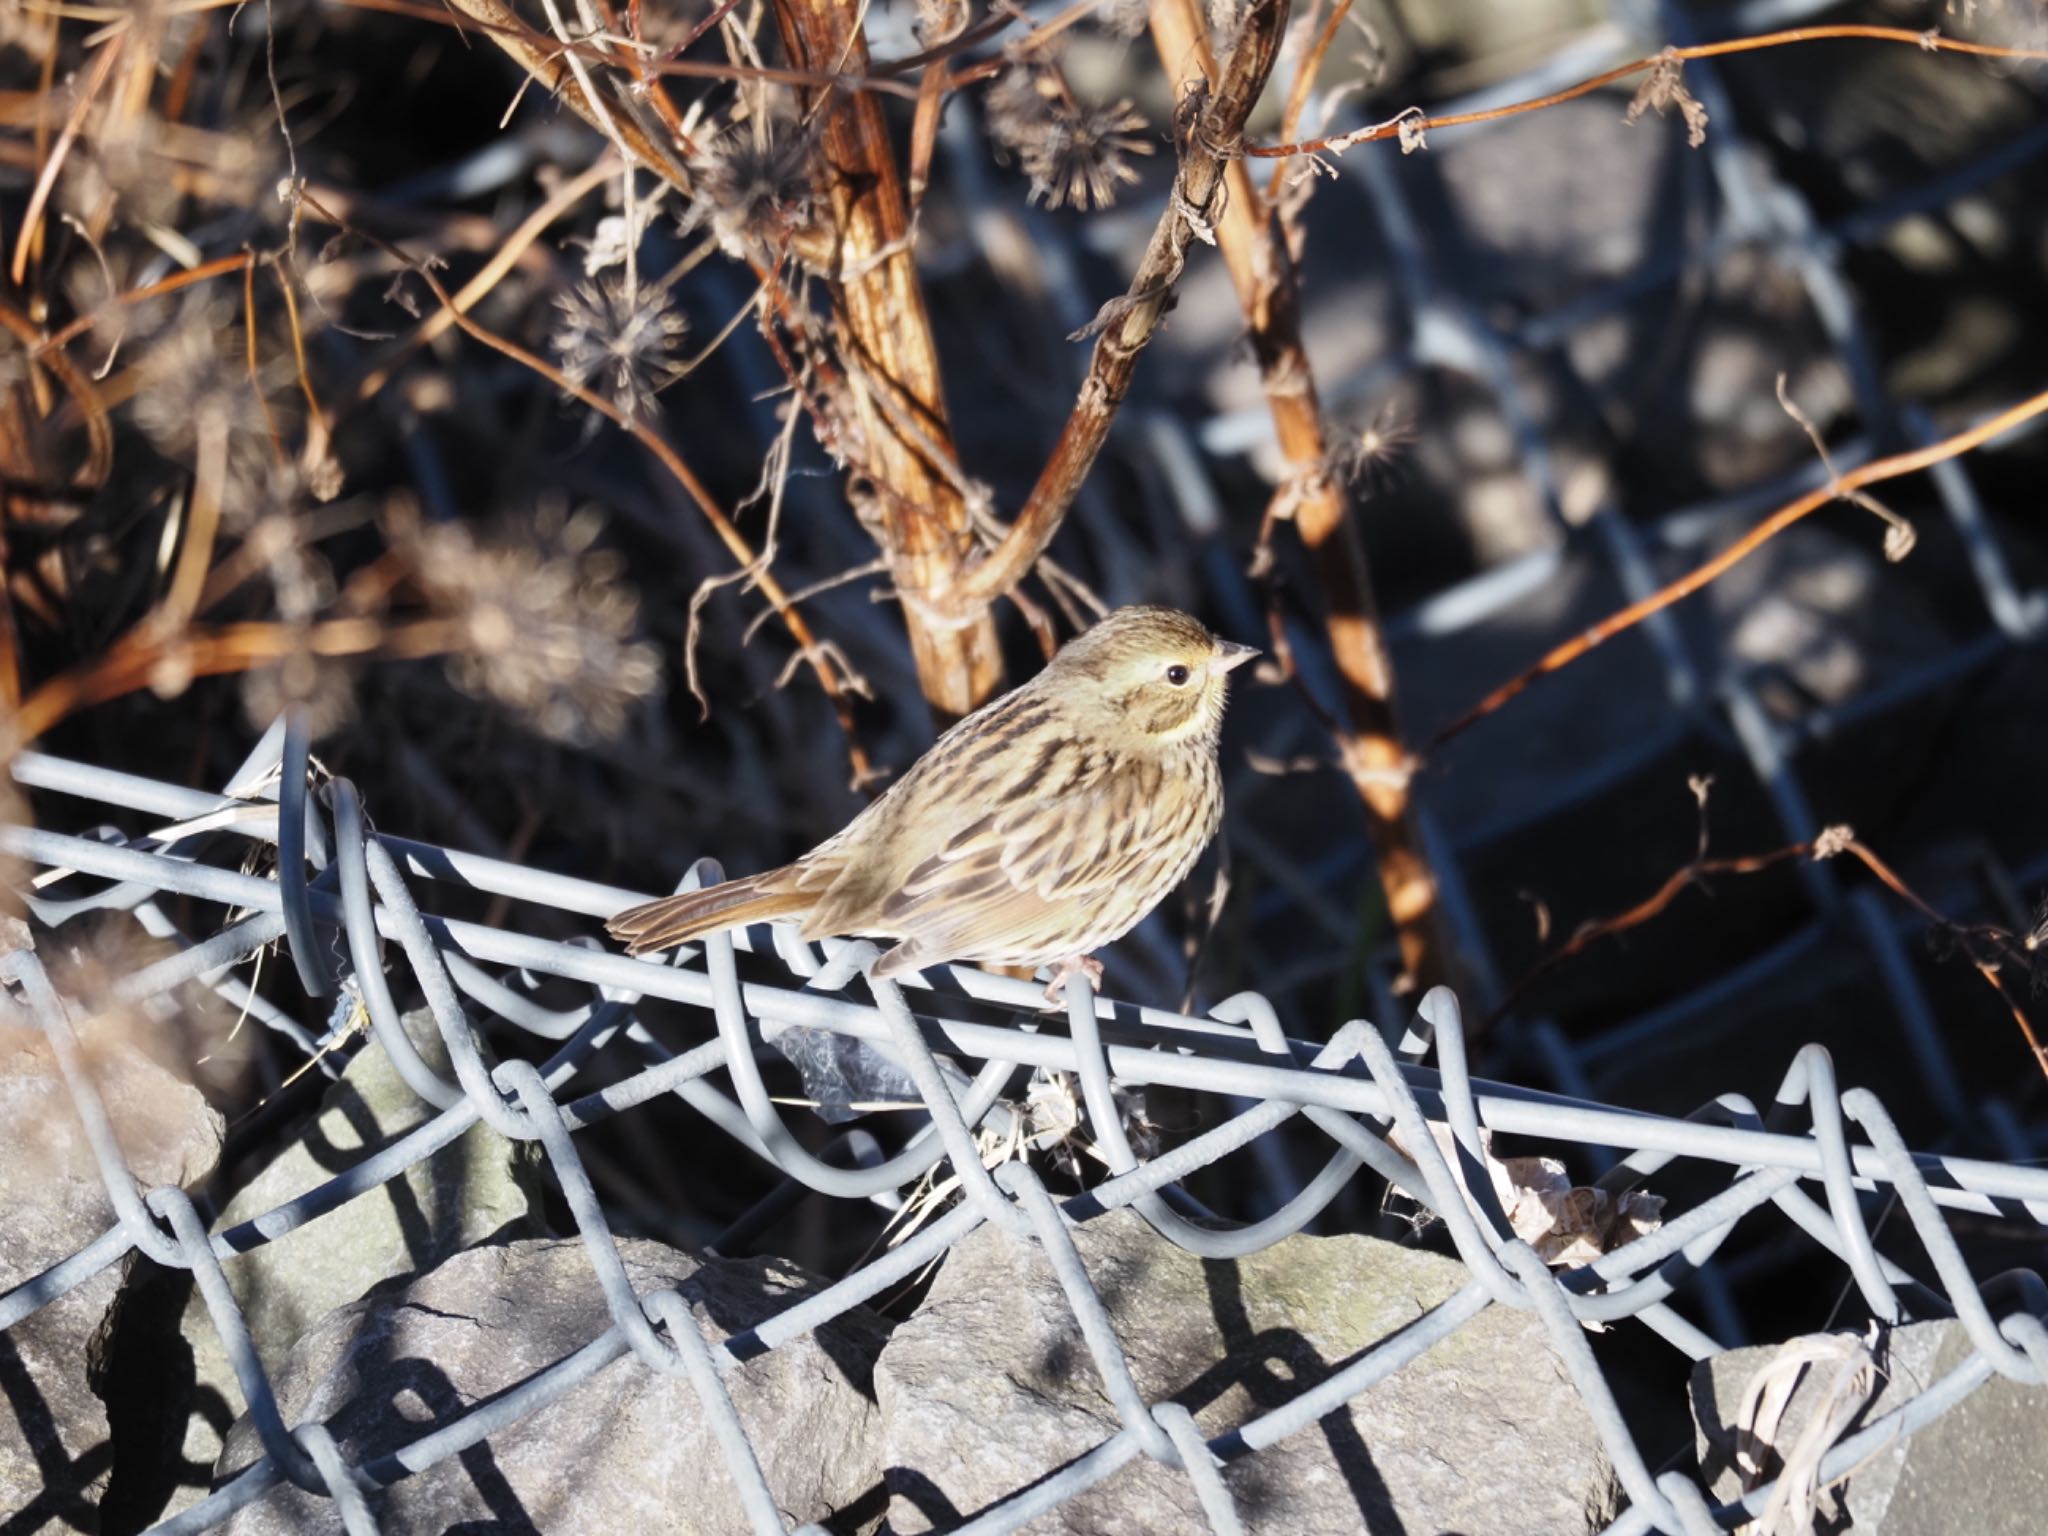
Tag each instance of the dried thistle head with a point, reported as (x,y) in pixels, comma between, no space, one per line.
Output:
(545,625)
(302,585)
(194,393)
(620,343)
(2036,946)
(1123,18)
(940,21)
(1073,152)
(1368,457)
(754,188)
(196,372)
(322,687)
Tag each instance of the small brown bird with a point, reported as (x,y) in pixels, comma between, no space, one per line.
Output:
(1043,826)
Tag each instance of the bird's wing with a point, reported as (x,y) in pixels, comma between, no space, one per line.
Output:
(1008,879)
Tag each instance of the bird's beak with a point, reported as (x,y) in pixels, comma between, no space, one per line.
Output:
(1230,655)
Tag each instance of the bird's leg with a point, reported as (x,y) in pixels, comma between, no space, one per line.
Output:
(1087,965)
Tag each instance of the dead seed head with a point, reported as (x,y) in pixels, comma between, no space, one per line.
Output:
(1833,841)
(196,373)
(620,344)
(1369,457)
(321,686)
(1124,18)
(546,624)
(940,21)
(193,388)
(754,188)
(1074,153)
(1662,90)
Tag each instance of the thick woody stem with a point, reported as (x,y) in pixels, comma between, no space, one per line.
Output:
(904,444)
(1209,147)
(1255,251)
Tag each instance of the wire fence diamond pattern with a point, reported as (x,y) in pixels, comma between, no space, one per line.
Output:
(1356,1089)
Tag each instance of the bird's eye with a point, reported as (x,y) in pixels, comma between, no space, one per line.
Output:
(1177,674)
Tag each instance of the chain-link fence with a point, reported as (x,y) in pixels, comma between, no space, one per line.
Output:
(343,893)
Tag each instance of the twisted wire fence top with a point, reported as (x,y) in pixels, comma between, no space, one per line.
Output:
(345,889)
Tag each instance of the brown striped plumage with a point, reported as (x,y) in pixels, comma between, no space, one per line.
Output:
(1040,828)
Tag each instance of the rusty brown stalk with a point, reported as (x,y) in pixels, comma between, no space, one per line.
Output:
(882,332)
(1210,143)
(1369,738)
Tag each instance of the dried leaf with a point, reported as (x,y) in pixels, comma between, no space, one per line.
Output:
(1664,89)
(1567,1224)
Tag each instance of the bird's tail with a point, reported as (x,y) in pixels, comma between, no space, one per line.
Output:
(675,919)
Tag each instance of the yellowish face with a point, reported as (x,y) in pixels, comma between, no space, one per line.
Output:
(1153,672)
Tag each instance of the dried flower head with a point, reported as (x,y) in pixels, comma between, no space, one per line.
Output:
(546,627)
(1124,18)
(620,343)
(940,21)
(195,373)
(1368,457)
(754,188)
(1073,153)
(1663,89)
(194,395)
(323,687)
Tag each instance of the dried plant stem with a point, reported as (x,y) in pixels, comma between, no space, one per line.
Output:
(883,333)
(1370,746)
(1213,139)
(241,261)
(541,56)
(1869,474)
(1587,934)
(665,454)
(1834,842)
(140,657)
(92,410)
(1414,121)
(1311,66)
(1999,939)
(473,292)
(618,117)
(32,218)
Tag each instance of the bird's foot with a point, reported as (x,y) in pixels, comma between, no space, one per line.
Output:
(1086,965)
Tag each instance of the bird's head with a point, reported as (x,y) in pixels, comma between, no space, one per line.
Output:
(1154,676)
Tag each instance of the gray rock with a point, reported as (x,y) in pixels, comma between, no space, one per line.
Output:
(627,1451)
(990,1387)
(472,1188)
(1982,1467)
(56,1454)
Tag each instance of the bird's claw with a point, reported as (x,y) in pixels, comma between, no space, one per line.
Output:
(1086,965)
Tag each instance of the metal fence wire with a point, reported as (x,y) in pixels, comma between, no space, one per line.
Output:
(339,880)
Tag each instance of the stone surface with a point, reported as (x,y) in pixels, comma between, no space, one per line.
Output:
(475,1187)
(627,1451)
(990,1386)
(55,1451)
(1982,1467)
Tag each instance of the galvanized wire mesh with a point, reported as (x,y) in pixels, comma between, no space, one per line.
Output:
(343,890)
